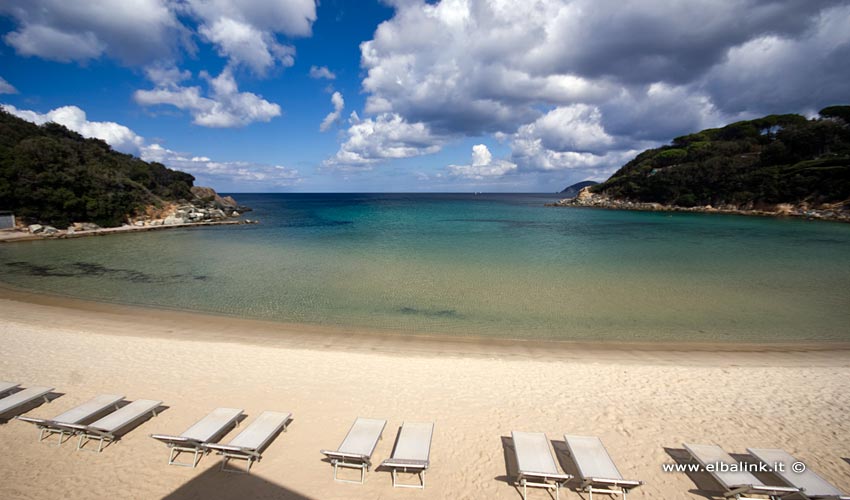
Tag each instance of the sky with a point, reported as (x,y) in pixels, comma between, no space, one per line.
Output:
(413,95)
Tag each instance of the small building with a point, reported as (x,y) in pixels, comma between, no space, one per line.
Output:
(7,220)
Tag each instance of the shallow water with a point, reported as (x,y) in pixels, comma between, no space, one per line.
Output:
(487,265)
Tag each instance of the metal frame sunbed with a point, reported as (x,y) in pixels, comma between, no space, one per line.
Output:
(76,415)
(108,429)
(249,443)
(412,452)
(536,464)
(810,483)
(356,449)
(21,398)
(736,483)
(596,469)
(205,431)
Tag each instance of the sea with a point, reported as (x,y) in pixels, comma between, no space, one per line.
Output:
(475,265)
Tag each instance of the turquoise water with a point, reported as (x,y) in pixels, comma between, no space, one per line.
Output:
(488,265)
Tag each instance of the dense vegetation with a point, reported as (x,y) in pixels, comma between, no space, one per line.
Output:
(52,175)
(770,160)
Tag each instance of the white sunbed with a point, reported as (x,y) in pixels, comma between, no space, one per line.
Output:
(356,449)
(249,443)
(6,387)
(24,397)
(737,483)
(536,464)
(110,427)
(205,431)
(77,415)
(596,469)
(412,452)
(812,486)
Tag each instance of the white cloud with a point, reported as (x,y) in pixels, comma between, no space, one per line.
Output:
(318,72)
(116,135)
(242,43)
(246,31)
(6,87)
(208,171)
(166,75)
(134,32)
(483,166)
(387,136)
(338,103)
(224,106)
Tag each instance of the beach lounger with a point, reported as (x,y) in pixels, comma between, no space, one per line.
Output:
(813,486)
(356,449)
(205,431)
(78,415)
(536,464)
(596,469)
(736,483)
(411,453)
(22,398)
(6,387)
(253,440)
(110,427)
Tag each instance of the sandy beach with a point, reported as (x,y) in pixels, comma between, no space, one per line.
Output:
(643,401)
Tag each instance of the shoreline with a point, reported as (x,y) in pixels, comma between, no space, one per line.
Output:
(224,328)
(12,236)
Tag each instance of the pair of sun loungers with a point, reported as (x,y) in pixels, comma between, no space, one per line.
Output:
(411,453)
(597,471)
(738,484)
(202,437)
(78,420)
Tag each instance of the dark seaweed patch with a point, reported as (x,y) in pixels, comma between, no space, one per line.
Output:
(90,269)
(441,313)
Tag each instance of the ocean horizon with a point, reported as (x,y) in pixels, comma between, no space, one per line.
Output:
(494,265)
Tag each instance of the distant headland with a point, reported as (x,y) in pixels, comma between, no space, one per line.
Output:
(54,183)
(784,165)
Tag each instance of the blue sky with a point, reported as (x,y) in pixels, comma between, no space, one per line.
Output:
(457,95)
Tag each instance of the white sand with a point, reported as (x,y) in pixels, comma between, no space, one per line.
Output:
(638,401)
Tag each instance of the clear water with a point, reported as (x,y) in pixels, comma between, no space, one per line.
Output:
(487,265)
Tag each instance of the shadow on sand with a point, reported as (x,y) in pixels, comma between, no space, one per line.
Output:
(221,485)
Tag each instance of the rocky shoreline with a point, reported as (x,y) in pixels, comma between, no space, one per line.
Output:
(586,199)
(207,208)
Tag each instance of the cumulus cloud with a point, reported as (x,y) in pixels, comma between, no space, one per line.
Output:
(483,165)
(116,135)
(134,32)
(6,87)
(246,31)
(582,84)
(338,103)
(387,136)
(230,173)
(224,106)
(122,138)
(318,72)
(140,32)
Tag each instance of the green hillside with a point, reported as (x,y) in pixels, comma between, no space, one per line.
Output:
(52,175)
(770,160)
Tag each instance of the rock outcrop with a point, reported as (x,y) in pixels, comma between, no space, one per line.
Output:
(586,198)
